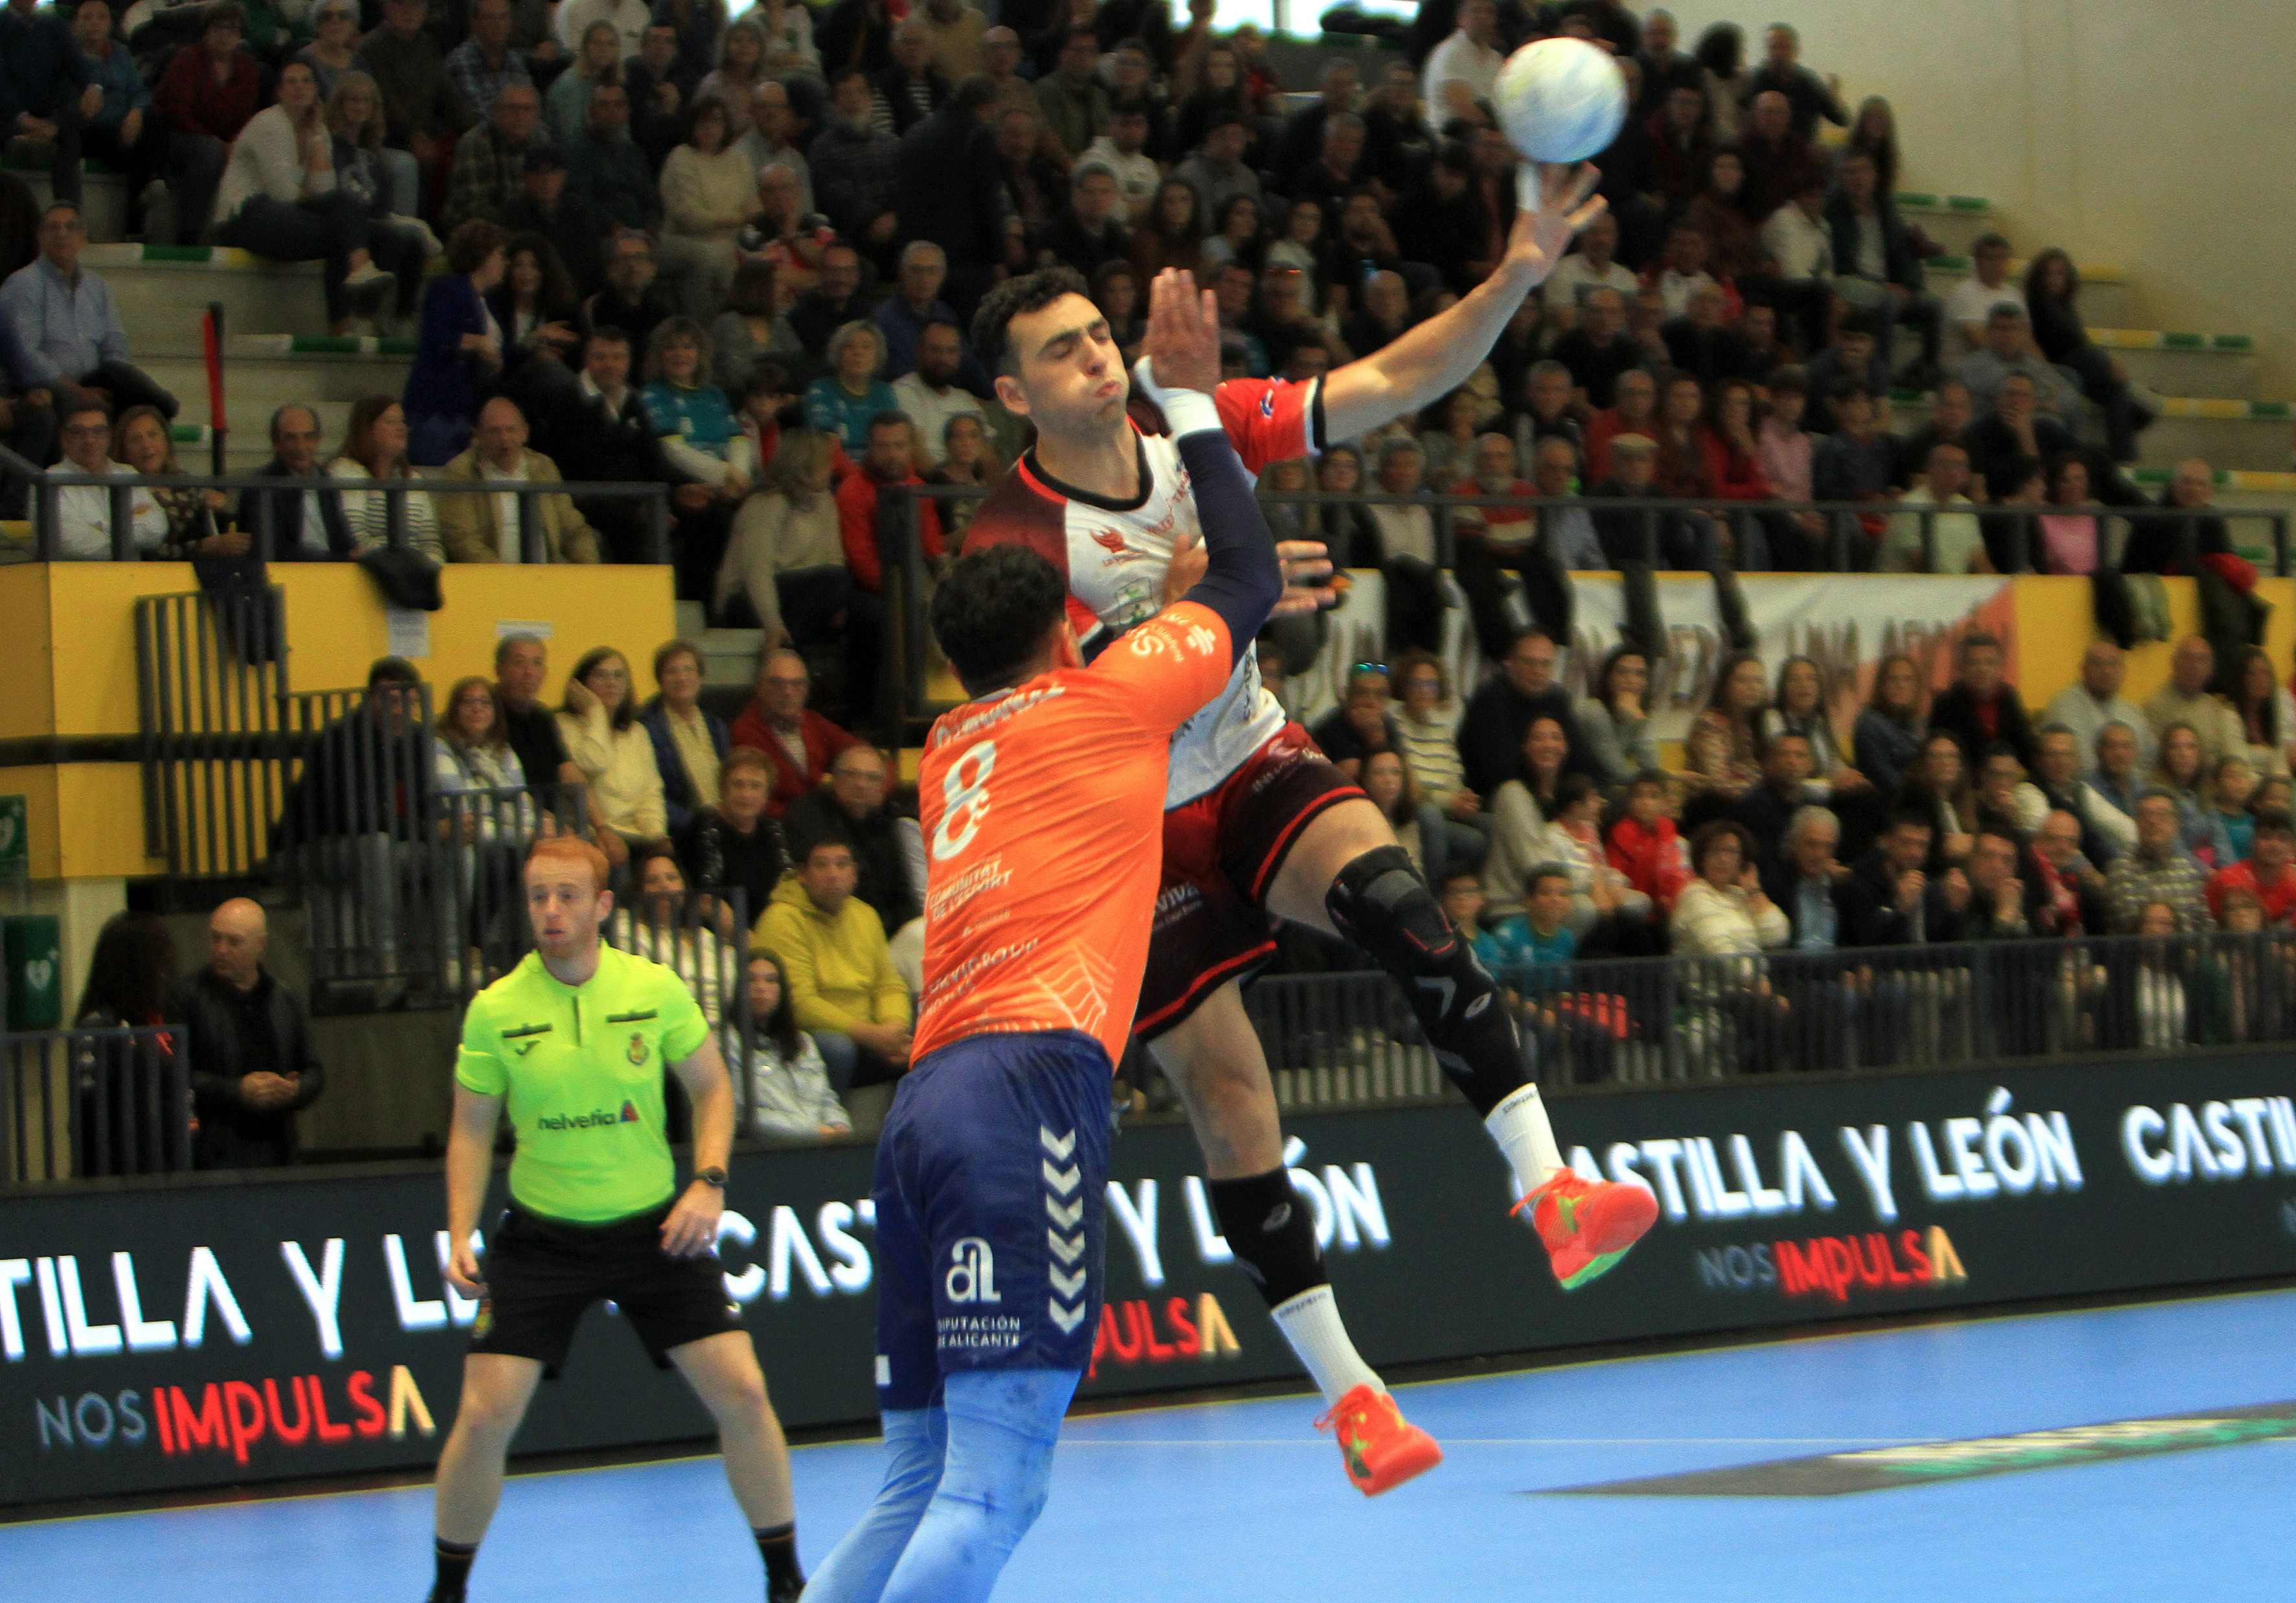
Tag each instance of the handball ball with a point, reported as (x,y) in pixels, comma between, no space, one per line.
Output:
(1561,100)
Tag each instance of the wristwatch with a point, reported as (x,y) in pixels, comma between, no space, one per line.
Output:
(711,1176)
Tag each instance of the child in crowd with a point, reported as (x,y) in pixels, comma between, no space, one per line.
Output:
(1645,846)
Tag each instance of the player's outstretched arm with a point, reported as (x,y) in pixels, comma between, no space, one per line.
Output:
(1179,369)
(1433,359)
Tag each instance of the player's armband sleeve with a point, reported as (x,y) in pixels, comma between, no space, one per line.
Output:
(684,1028)
(476,1066)
(1272,420)
(1170,665)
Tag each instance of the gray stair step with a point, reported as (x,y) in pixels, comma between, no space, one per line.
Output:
(256,384)
(160,292)
(2221,366)
(1953,221)
(103,200)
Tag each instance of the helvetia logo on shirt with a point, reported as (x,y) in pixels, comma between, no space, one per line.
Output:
(597,1119)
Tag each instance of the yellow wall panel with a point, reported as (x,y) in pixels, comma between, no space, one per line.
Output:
(100,808)
(27,712)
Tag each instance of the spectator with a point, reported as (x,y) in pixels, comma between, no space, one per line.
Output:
(697,429)
(604,740)
(2087,706)
(1886,743)
(2269,874)
(252,1069)
(790,1095)
(2051,291)
(372,177)
(208,92)
(2069,893)
(1680,150)
(1945,541)
(1782,170)
(909,89)
(2010,446)
(1670,540)
(1644,844)
(1121,150)
(947,195)
(1804,705)
(67,331)
(2183,772)
(120,130)
(1544,392)
(280,200)
(1725,760)
(49,89)
(842,402)
(660,922)
(1854,463)
(1589,266)
(709,192)
(2156,869)
(2187,699)
(929,396)
(784,570)
(629,19)
(2004,801)
(488,528)
(1600,896)
(1787,456)
(689,741)
(333,50)
(1089,238)
(1347,529)
(424,111)
(1969,309)
(1634,412)
(2070,541)
(1851,360)
(597,59)
(1406,530)
(2117,776)
(2106,831)
(887,463)
(172,524)
(1361,724)
(772,141)
(969,458)
(1216,170)
(84,529)
(1598,351)
(537,307)
(1462,72)
(956,31)
(732,79)
(1877,264)
(854,35)
(374,448)
(1700,344)
(2008,350)
(490,166)
(547,209)
(522,668)
(1950,414)
(1979,709)
(1423,733)
(1722,911)
(657,95)
(2160,544)
(916,303)
(605,437)
(632,302)
(608,174)
(486,817)
(305,525)
(2230,802)
(1766,808)
(855,167)
(1807,883)
(1989,903)
(1808,96)
(484,65)
(1520,808)
(1614,723)
(841,982)
(855,808)
(799,742)
(123,1124)
(460,346)
(734,845)
(2266,711)
(1890,899)
(780,251)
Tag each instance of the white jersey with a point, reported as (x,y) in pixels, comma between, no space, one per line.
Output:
(1114,557)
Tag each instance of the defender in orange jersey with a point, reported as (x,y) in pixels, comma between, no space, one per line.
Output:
(1043,815)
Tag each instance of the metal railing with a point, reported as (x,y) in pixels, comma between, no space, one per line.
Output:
(211,689)
(48,485)
(1670,1020)
(703,936)
(98,1102)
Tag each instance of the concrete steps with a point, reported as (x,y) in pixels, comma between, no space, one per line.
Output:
(1953,221)
(161,290)
(2241,437)
(2221,366)
(103,202)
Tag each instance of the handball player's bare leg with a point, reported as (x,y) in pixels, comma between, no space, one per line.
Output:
(1347,876)
(495,1391)
(723,1373)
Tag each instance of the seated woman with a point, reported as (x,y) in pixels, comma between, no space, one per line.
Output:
(662,923)
(751,326)
(1346,528)
(1722,911)
(790,1094)
(598,60)
(709,193)
(1388,783)
(604,740)
(2268,713)
(689,741)
(697,429)
(538,310)
(1453,829)
(487,809)
(382,182)
(279,199)
(2180,770)
(374,448)
(459,352)
(784,568)
(1938,788)
(1803,708)
(2052,301)
(1519,815)
(172,524)
(1614,721)
(968,457)
(842,400)
(1886,741)
(1721,751)
(2070,541)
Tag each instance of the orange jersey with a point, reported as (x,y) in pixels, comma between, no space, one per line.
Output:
(1043,814)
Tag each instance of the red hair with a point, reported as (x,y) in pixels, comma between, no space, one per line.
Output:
(570,849)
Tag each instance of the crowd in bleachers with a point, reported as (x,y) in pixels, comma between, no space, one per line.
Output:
(677,241)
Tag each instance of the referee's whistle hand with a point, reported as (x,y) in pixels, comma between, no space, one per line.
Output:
(463,1272)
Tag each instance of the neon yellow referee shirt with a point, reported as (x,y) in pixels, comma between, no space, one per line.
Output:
(580,1070)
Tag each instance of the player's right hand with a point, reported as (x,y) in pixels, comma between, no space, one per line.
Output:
(463,1270)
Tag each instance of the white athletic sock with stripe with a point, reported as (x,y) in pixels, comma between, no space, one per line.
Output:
(1520,1127)
(1310,1322)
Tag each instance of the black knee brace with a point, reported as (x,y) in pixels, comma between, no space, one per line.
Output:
(1380,903)
(1272,1231)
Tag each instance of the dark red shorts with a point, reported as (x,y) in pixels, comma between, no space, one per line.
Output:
(1221,852)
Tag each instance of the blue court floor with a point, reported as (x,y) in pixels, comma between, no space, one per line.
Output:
(1243,1501)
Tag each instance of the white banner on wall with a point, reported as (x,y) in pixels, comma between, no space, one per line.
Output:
(1848,622)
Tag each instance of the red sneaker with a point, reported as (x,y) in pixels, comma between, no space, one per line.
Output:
(1378,1449)
(1588,1225)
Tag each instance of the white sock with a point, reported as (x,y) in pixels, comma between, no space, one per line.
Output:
(1310,1322)
(1518,1125)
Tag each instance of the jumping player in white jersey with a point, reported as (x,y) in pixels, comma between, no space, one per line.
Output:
(1258,826)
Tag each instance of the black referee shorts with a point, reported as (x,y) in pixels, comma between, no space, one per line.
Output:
(543,1274)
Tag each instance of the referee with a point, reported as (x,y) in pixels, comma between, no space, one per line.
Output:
(572,1042)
